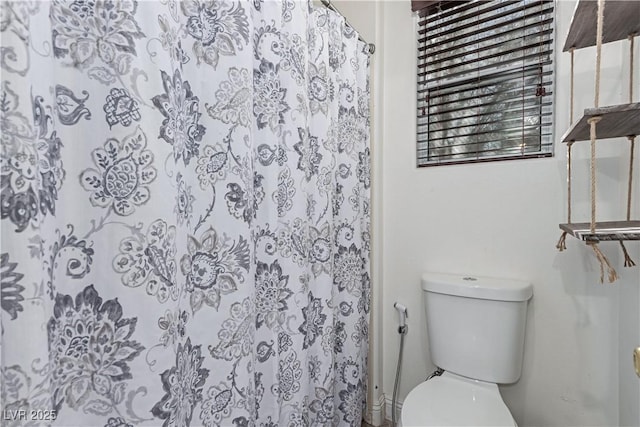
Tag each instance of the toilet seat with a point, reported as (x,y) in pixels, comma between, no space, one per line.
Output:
(452,400)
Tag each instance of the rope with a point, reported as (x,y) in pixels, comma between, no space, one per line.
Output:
(628,262)
(632,139)
(569,145)
(631,67)
(596,101)
(604,263)
(571,91)
(562,242)
(592,122)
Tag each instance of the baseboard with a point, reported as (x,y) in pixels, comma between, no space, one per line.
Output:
(389,404)
(375,416)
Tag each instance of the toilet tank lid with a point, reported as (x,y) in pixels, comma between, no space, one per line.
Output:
(477,287)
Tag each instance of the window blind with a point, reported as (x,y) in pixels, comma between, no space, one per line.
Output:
(485,81)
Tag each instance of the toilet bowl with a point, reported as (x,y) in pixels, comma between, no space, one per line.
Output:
(452,400)
(475,328)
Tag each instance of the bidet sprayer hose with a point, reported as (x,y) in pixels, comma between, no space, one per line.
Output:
(402,330)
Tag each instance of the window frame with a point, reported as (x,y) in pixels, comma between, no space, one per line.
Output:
(546,129)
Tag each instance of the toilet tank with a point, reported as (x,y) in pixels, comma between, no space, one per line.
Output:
(476,325)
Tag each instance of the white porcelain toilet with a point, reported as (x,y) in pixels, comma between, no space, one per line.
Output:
(475,328)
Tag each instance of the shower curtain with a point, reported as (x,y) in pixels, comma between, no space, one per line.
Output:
(185,214)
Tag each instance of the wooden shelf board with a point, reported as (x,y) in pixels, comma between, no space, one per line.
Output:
(605,231)
(621,19)
(617,120)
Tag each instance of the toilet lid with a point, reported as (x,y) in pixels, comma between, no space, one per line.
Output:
(451,400)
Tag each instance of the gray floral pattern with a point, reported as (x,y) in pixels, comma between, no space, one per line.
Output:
(117,422)
(84,31)
(364,168)
(235,333)
(243,200)
(217,405)
(15,23)
(322,408)
(289,376)
(314,321)
(124,171)
(213,266)
(348,267)
(307,148)
(320,249)
(31,167)
(183,387)
(348,129)
(174,327)
(233,99)
(180,126)
(211,166)
(185,213)
(149,260)
(90,347)
(184,201)
(121,108)
(269,103)
(321,91)
(272,295)
(10,291)
(71,108)
(219,28)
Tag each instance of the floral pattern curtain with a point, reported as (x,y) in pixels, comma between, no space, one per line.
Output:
(185,214)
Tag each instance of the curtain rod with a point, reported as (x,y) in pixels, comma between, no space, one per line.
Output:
(328,4)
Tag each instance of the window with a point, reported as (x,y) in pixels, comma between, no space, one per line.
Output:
(485,81)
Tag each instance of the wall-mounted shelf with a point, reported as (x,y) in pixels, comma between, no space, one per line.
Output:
(616,121)
(605,231)
(595,23)
(621,18)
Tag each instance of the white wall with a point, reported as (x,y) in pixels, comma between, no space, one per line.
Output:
(501,219)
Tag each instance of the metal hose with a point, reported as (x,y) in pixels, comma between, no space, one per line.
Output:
(402,330)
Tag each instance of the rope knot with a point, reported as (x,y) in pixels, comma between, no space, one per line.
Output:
(562,242)
(604,263)
(628,262)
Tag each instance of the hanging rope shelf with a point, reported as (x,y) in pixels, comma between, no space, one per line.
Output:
(620,21)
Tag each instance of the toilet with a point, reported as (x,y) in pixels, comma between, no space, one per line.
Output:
(475,328)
